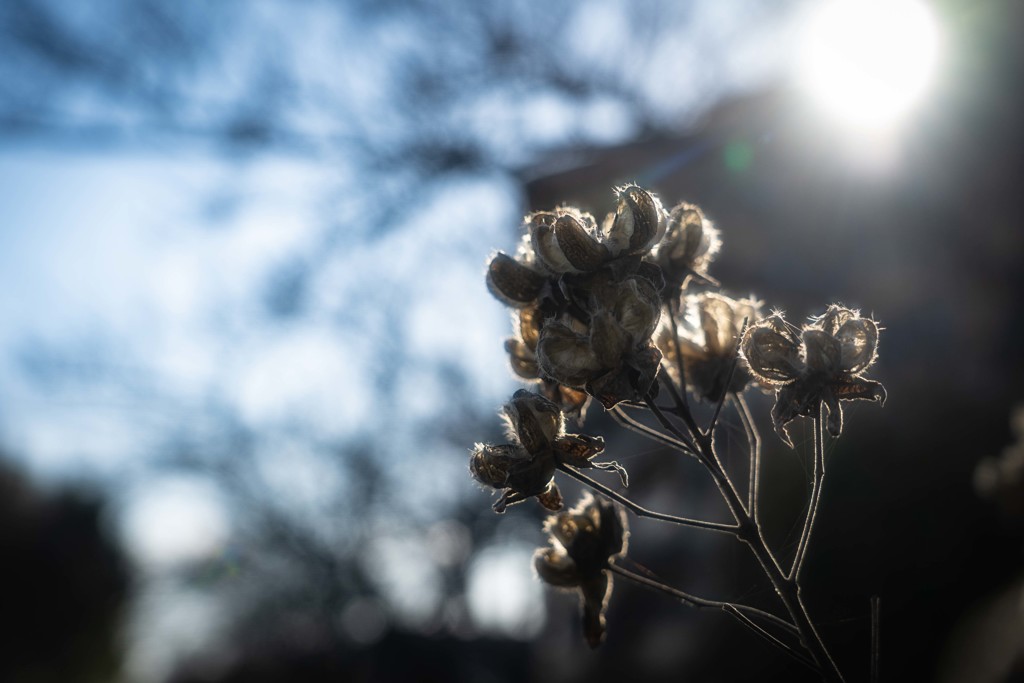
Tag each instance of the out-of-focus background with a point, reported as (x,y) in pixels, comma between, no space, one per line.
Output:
(245,343)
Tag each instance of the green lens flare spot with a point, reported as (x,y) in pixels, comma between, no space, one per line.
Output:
(738,156)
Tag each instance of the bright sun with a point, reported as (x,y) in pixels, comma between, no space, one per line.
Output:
(868,62)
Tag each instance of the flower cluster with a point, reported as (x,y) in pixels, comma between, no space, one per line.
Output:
(526,467)
(708,338)
(582,542)
(822,363)
(588,298)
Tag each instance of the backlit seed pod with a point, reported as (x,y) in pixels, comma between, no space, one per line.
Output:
(579,247)
(549,252)
(535,420)
(823,352)
(608,340)
(637,224)
(582,542)
(859,340)
(690,243)
(637,308)
(772,351)
(566,356)
(512,282)
(490,464)
(522,359)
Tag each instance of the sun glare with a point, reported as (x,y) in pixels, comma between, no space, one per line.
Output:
(868,62)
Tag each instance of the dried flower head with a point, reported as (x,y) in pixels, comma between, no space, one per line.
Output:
(823,364)
(611,356)
(582,542)
(526,467)
(522,350)
(709,337)
(691,243)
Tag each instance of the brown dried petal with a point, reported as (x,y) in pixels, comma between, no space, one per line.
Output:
(578,449)
(551,499)
(861,389)
(512,282)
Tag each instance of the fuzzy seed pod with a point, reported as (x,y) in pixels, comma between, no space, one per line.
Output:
(637,224)
(512,282)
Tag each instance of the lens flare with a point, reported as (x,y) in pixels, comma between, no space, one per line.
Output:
(868,62)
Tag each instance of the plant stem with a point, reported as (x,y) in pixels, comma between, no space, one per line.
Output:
(642,511)
(748,532)
(754,442)
(627,421)
(816,486)
(742,613)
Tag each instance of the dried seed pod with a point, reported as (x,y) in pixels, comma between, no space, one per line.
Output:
(566,356)
(582,542)
(772,351)
(491,464)
(637,224)
(513,283)
(534,420)
(579,247)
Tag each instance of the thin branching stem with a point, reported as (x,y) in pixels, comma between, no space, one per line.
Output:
(749,532)
(640,511)
(816,486)
(672,304)
(669,427)
(679,399)
(742,613)
(754,443)
(721,401)
(629,422)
